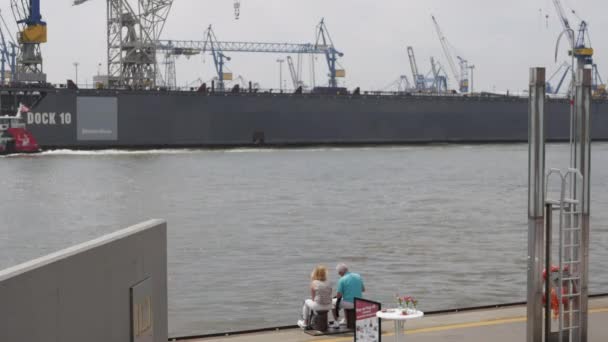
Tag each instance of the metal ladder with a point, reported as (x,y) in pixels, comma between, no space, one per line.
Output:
(569,253)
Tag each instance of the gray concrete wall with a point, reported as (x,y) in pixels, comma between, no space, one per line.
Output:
(83,293)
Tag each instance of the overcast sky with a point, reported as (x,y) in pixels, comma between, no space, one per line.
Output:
(501,38)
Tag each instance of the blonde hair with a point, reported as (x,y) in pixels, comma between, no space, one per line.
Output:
(319,273)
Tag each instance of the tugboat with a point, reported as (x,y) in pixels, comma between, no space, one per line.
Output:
(14,137)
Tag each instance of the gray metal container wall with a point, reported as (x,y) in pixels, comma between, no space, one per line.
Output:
(83,293)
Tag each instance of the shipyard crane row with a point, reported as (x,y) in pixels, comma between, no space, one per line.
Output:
(323,46)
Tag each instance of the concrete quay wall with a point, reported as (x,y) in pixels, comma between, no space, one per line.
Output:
(109,289)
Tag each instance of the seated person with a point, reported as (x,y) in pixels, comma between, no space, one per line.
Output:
(350,286)
(320,293)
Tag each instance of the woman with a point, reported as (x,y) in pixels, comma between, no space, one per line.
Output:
(320,292)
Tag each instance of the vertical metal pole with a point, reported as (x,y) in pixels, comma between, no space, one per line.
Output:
(536,203)
(583,163)
(548,241)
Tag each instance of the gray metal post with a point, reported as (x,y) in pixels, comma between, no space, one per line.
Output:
(548,242)
(583,163)
(536,201)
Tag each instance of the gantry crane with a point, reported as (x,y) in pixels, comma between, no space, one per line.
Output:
(133,30)
(462,76)
(195,47)
(419,80)
(32,33)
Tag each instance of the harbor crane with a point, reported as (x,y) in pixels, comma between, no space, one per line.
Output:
(562,72)
(7,53)
(439,80)
(401,85)
(295,75)
(32,33)
(599,87)
(331,54)
(419,80)
(133,30)
(580,50)
(460,75)
(194,47)
(219,58)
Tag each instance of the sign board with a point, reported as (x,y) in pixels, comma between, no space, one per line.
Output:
(367,325)
(142,318)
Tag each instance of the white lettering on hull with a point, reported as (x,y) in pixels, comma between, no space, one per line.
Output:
(47,119)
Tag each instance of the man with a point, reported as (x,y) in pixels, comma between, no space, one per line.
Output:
(350,286)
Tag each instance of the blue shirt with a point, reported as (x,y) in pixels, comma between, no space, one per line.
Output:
(350,286)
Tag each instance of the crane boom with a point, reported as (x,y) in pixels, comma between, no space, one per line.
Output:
(294,74)
(418,79)
(446,50)
(563,19)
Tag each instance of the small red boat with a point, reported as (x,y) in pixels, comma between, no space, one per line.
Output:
(14,136)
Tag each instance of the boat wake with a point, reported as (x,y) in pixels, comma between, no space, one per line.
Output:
(67,152)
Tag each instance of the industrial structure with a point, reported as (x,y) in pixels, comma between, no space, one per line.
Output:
(323,46)
(24,57)
(8,53)
(133,30)
(461,74)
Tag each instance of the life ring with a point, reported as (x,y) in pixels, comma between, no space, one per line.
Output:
(554,296)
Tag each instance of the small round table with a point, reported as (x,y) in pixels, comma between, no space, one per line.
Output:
(399,318)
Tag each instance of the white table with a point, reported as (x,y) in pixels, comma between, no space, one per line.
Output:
(399,318)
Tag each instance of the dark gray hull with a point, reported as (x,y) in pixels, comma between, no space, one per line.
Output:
(130,119)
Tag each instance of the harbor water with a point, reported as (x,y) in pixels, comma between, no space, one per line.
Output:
(446,224)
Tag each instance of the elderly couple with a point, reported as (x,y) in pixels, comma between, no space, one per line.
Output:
(350,286)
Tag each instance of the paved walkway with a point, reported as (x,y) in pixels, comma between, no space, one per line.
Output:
(496,325)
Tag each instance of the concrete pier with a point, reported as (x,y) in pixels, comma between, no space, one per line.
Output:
(496,325)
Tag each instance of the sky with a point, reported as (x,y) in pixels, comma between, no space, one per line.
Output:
(503,39)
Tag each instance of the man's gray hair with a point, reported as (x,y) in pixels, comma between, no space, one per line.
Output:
(342,268)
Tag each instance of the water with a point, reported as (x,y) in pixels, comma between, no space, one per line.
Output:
(445,223)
